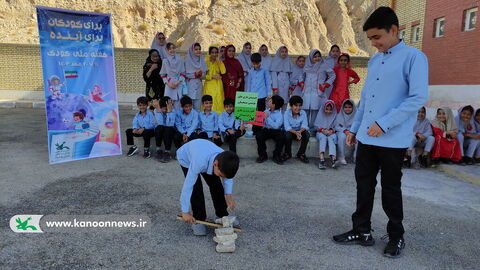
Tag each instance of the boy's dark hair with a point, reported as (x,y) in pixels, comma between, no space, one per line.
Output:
(277,101)
(211,48)
(185,100)
(228,101)
(142,100)
(256,58)
(206,98)
(468,108)
(169,45)
(79,114)
(163,101)
(228,163)
(334,46)
(247,44)
(348,102)
(296,100)
(381,18)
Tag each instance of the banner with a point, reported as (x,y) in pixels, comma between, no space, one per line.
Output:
(245,105)
(79,81)
(259,119)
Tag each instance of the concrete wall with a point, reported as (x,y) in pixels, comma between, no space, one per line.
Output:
(20,70)
(455,57)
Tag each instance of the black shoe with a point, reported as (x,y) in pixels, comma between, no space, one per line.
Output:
(262,159)
(159,155)
(477,160)
(423,161)
(394,247)
(303,158)
(146,153)
(469,161)
(132,151)
(334,163)
(278,160)
(354,238)
(322,165)
(166,157)
(407,163)
(286,156)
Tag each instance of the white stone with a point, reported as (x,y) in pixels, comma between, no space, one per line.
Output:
(225,248)
(225,238)
(224,231)
(226,222)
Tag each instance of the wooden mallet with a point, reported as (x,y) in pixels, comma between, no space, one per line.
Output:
(211,224)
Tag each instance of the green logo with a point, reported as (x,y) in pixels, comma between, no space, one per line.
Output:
(61,147)
(23,225)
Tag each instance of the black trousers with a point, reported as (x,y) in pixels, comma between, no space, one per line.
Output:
(165,134)
(178,138)
(146,134)
(158,90)
(231,139)
(276,134)
(216,191)
(261,107)
(289,137)
(370,159)
(204,135)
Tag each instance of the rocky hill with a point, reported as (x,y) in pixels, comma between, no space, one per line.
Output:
(300,25)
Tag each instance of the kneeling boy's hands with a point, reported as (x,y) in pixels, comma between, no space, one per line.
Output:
(188,218)
(230,202)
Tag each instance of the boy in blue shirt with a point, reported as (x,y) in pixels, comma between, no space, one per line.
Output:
(259,81)
(395,89)
(186,122)
(208,122)
(230,128)
(272,129)
(165,130)
(296,127)
(202,157)
(143,126)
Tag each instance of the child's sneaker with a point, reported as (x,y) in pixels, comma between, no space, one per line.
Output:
(334,163)
(354,238)
(146,153)
(342,161)
(322,165)
(262,159)
(394,247)
(303,158)
(199,229)
(278,160)
(166,157)
(132,151)
(286,156)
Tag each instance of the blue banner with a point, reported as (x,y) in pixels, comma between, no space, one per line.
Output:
(79,81)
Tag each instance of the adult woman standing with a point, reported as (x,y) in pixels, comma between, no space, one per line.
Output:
(233,78)
(213,79)
(151,75)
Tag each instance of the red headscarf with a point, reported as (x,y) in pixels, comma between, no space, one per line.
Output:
(234,73)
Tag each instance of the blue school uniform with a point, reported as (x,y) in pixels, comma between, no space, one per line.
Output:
(227,121)
(186,123)
(259,81)
(165,119)
(146,121)
(295,123)
(208,123)
(274,119)
(198,156)
(393,106)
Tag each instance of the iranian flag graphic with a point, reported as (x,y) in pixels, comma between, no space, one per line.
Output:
(71,74)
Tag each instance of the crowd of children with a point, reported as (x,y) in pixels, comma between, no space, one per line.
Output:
(306,98)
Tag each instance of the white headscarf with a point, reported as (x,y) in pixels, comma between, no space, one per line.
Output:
(310,66)
(193,62)
(266,60)
(343,120)
(450,122)
(280,64)
(173,65)
(245,59)
(323,120)
(468,128)
(297,72)
(422,126)
(477,124)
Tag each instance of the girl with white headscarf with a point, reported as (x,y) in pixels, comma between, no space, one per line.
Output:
(325,127)
(244,58)
(173,75)
(297,77)
(343,123)
(195,68)
(422,137)
(445,131)
(281,70)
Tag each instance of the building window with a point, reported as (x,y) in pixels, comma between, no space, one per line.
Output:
(470,19)
(401,35)
(415,33)
(439,27)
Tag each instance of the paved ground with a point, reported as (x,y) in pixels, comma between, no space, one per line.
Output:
(288,213)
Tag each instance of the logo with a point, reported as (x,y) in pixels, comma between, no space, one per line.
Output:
(26,223)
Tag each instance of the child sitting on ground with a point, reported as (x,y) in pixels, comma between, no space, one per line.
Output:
(343,123)
(272,129)
(208,125)
(445,131)
(467,133)
(143,126)
(186,122)
(423,138)
(230,128)
(296,127)
(165,130)
(325,124)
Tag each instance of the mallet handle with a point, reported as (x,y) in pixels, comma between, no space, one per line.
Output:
(211,224)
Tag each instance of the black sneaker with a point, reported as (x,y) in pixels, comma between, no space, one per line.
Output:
(469,161)
(146,153)
(278,160)
(354,238)
(322,165)
(262,159)
(303,158)
(334,163)
(394,247)
(286,156)
(132,151)
(166,157)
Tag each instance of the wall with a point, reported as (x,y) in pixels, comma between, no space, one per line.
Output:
(21,71)
(411,12)
(460,49)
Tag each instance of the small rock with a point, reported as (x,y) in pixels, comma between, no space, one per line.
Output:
(224,231)
(226,222)
(224,238)
(225,248)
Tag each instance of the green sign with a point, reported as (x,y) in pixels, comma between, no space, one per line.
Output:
(245,106)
